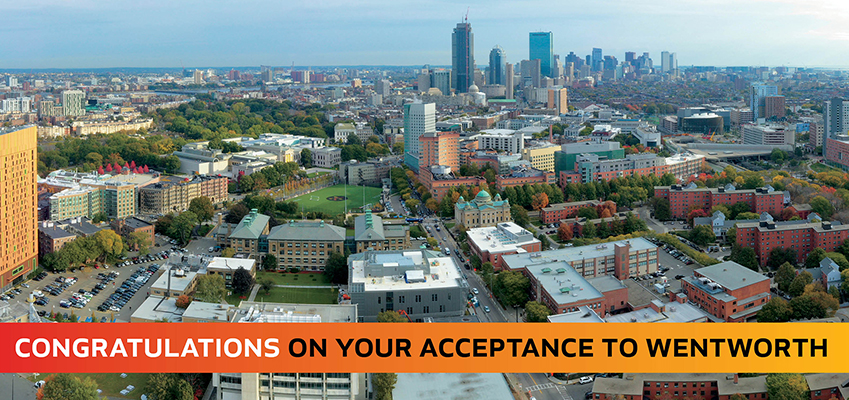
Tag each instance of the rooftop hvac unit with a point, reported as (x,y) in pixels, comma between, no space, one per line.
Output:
(672,308)
(633,319)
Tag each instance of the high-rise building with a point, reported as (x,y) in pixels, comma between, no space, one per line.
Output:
(383,87)
(423,81)
(596,60)
(72,102)
(557,99)
(757,98)
(18,231)
(419,119)
(496,66)
(440,148)
(197,76)
(774,107)
(508,80)
(11,81)
(630,57)
(441,79)
(835,119)
(664,61)
(531,73)
(541,45)
(578,62)
(462,57)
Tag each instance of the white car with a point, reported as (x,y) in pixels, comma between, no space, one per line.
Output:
(475,290)
(585,379)
(37,293)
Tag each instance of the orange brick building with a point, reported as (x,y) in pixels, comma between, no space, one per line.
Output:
(683,199)
(802,236)
(18,232)
(556,212)
(728,291)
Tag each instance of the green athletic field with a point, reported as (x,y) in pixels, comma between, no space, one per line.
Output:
(317,201)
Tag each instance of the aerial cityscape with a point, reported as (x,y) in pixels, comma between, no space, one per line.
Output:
(516,183)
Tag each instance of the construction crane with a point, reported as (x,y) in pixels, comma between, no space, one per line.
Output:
(466,18)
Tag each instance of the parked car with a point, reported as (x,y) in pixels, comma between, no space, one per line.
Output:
(585,379)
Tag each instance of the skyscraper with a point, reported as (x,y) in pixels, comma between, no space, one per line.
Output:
(508,80)
(558,100)
(441,79)
(496,66)
(541,45)
(18,239)
(597,59)
(835,113)
(630,57)
(419,119)
(462,57)
(668,62)
(383,88)
(530,70)
(757,94)
(72,102)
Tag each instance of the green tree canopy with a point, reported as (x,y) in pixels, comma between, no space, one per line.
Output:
(243,281)
(182,226)
(390,316)
(202,207)
(784,276)
(787,387)
(384,383)
(511,287)
(777,310)
(336,268)
(67,386)
(536,312)
(797,286)
(210,288)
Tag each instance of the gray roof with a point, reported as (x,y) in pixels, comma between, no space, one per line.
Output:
(368,227)
(827,381)
(570,254)
(136,223)
(54,232)
(560,277)
(606,283)
(307,230)
(632,384)
(251,226)
(583,315)
(84,226)
(731,275)
(466,386)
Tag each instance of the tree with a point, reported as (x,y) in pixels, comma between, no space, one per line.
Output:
(564,232)
(787,387)
(266,284)
(210,288)
(589,230)
(139,241)
(539,201)
(587,212)
(228,252)
(336,268)
(99,217)
(753,182)
(536,312)
(731,235)
(520,215)
(306,158)
(110,244)
(67,386)
(202,207)
(390,316)
(784,276)
(839,259)
(778,256)
(814,257)
(797,286)
(739,207)
(183,301)
(662,210)
(168,386)
(702,235)
(269,263)
(383,384)
(721,208)
(697,213)
(778,156)
(511,287)
(181,228)
(745,256)
(822,207)
(243,281)
(777,310)
(748,215)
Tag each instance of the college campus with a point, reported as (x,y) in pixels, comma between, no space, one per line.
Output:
(541,187)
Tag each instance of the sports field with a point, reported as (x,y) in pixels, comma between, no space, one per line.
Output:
(330,200)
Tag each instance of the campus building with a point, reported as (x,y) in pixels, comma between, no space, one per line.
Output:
(622,259)
(87,194)
(372,232)
(541,155)
(565,158)
(482,211)
(439,180)
(560,287)
(802,236)
(127,226)
(174,195)
(728,291)
(506,140)
(491,244)
(305,245)
(249,237)
(18,233)
(554,213)
(592,168)
(421,283)
(523,174)
(51,238)
(682,199)
(679,385)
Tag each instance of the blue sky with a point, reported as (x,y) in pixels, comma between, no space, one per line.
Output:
(157,33)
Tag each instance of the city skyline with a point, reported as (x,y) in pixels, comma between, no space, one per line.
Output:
(159,34)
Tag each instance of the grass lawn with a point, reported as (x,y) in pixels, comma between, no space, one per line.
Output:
(235,299)
(295,279)
(113,384)
(822,168)
(350,232)
(317,201)
(449,225)
(299,295)
(314,174)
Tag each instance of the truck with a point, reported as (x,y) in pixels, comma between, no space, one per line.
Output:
(447,250)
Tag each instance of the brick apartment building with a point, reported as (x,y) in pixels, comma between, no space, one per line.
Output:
(728,291)
(802,236)
(126,226)
(491,244)
(563,289)
(828,386)
(679,386)
(682,199)
(554,213)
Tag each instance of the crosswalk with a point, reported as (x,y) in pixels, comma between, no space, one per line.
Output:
(540,387)
(561,390)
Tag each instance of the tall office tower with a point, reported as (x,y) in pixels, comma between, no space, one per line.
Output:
(479,78)
(574,59)
(596,60)
(664,61)
(383,88)
(774,107)
(673,62)
(419,119)
(439,148)
(531,73)
(441,79)
(72,102)
(197,76)
(835,113)
(541,45)
(558,100)
(423,81)
(610,63)
(569,70)
(757,95)
(18,239)
(11,81)
(462,57)
(508,80)
(630,57)
(267,74)
(497,58)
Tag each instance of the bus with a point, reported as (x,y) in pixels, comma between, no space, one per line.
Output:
(415,219)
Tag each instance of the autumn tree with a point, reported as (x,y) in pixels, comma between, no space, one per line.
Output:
(539,201)
(67,386)
(168,386)
(183,301)
(564,232)
(787,387)
(110,243)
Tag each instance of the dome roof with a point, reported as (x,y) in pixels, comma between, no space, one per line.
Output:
(482,195)
(473,88)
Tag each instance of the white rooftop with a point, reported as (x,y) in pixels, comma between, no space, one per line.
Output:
(444,272)
(504,238)
(178,283)
(231,263)
(570,254)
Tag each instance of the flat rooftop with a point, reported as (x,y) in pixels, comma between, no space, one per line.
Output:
(156,308)
(249,311)
(672,312)
(584,314)
(231,263)
(494,240)
(731,275)
(177,283)
(443,271)
(207,311)
(570,254)
(563,283)
(465,386)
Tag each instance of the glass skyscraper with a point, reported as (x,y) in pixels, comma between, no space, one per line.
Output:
(542,49)
(597,59)
(496,66)
(462,58)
